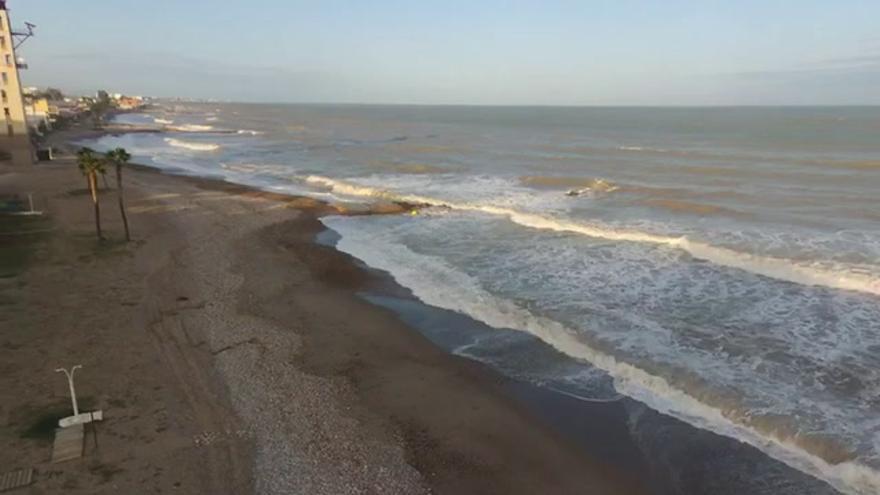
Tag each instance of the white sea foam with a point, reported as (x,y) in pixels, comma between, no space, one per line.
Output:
(163,121)
(835,277)
(248,132)
(177,143)
(191,128)
(435,282)
(642,148)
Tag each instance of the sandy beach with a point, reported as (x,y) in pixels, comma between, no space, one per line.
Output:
(231,353)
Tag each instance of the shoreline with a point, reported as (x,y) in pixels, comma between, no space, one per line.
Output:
(238,298)
(451,473)
(609,440)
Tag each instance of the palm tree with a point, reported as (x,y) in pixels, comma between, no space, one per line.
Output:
(99,109)
(91,166)
(120,157)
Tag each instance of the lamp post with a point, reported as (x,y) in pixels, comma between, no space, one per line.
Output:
(70,382)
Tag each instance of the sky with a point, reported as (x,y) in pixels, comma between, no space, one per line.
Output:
(492,52)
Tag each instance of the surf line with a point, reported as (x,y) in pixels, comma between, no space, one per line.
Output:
(767,266)
(582,398)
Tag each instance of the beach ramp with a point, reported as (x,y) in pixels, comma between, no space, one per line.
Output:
(68,443)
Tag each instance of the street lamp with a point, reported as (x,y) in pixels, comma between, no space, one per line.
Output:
(70,382)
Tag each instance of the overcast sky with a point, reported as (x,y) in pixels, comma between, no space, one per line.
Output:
(551,52)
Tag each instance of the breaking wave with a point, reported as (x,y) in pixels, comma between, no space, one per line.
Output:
(835,277)
(435,282)
(177,143)
(191,128)
(248,132)
(691,207)
(409,167)
(579,184)
(163,121)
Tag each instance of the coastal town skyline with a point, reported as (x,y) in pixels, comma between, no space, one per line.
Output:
(558,53)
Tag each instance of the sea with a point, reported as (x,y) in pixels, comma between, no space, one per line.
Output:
(718,266)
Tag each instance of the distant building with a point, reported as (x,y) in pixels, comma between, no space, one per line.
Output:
(39,113)
(129,102)
(15,143)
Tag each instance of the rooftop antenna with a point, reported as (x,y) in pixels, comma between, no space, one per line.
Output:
(20,37)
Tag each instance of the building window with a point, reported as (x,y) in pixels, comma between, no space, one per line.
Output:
(8,60)
(3,42)
(5,78)
(3,95)
(6,111)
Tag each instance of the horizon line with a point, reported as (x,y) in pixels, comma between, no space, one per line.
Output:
(520,105)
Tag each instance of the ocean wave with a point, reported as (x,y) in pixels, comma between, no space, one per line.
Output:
(641,148)
(212,119)
(163,121)
(691,207)
(428,148)
(835,277)
(191,128)
(408,167)
(739,157)
(850,165)
(718,156)
(555,181)
(248,132)
(177,143)
(434,282)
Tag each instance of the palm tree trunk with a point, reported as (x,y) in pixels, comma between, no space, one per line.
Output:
(93,187)
(121,202)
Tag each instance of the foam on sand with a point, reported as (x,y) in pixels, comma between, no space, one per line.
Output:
(435,282)
(177,143)
(835,277)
